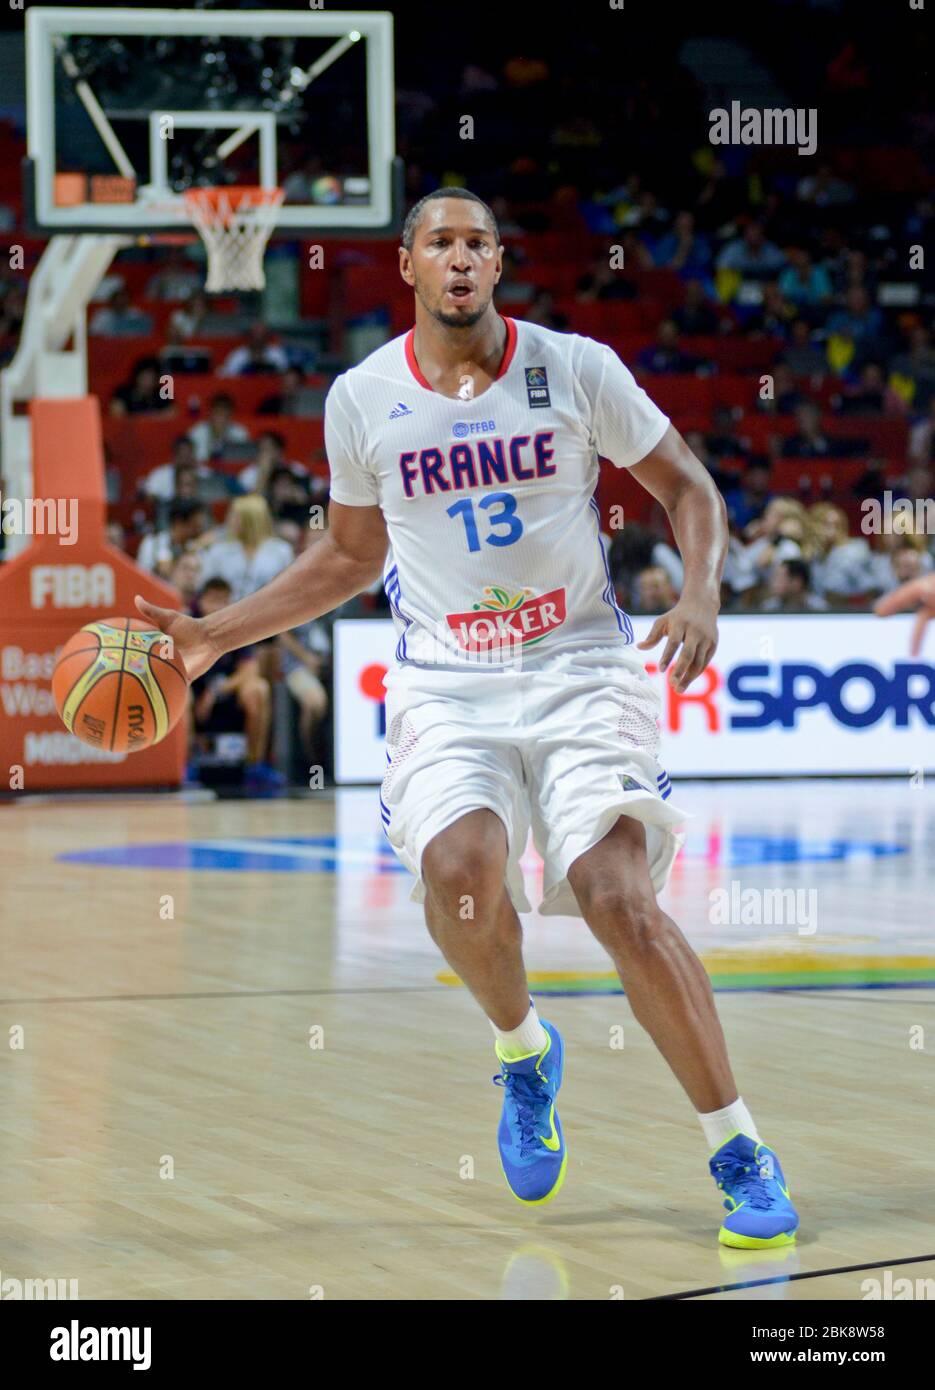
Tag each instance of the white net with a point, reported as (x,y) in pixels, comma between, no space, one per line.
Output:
(235,225)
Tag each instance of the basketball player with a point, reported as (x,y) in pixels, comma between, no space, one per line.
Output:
(464,458)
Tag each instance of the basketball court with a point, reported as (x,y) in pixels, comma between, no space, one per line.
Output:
(244,992)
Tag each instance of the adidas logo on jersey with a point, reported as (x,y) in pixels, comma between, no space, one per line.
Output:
(399,409)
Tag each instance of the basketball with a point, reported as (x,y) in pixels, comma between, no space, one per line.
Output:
(119,686)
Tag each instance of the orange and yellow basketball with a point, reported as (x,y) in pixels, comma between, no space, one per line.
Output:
(118,685)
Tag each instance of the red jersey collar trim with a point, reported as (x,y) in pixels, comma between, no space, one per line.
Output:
(508,353)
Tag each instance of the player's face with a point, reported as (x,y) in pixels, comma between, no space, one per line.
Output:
(455,262)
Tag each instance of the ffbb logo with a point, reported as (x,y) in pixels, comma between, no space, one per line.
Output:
(507,621)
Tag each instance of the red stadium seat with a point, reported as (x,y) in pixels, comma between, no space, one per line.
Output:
(680,393)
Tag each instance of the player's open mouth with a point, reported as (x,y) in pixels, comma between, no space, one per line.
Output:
(460,291)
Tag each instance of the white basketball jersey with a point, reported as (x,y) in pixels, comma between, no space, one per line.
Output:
(495,549)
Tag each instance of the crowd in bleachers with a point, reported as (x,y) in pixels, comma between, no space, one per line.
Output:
(774,307)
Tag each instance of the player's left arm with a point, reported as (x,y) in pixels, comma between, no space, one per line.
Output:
(698,517)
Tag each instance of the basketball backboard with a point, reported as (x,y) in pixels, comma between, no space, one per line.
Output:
(129,108)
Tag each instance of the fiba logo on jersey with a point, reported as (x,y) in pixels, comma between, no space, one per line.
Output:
(537,387)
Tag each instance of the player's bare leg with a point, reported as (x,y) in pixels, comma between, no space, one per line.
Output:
(474,924)
(471,918)
(665,982)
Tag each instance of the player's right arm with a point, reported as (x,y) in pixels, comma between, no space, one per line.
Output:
(347,560)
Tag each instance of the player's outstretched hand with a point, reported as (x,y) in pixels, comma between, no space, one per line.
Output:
(191,644)
(692,626)
(917,593)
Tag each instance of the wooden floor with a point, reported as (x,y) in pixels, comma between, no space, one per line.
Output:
(166,1129)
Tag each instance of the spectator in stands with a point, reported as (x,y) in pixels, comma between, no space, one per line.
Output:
(636,547)
(913,372)
(869,395)
(922,437)
(723,441)
(887,545)
(303,655)
(917,484)
(602,282)
(144,393)
(186,577)
(907,563)
(695,315)
(771,318)
(684,248)
(271,455)
(809,440)
(666,355)
(842,565)
(189,319)
(118,318)
(802,355)
(789,590)
(750,498)
(249,555)
(751,255)
(823,190)
(859,321)
(295,397)
(159,550)
(542,311)
(184,477)
(779,534)
(653,591)
(872,483)
(210,437)
(805,285)
(786,396)
(289,497)
(257,355)
(177,279)
(234,695)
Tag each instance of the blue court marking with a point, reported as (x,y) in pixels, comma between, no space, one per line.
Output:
(300,854)
(323,854)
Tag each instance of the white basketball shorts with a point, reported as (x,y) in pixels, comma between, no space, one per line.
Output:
(564,750)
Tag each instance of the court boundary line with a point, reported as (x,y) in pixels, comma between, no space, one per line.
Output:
(788,1278)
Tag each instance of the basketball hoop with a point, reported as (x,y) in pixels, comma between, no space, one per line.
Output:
(235,224)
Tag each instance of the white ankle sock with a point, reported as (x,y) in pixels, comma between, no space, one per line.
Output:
(519,1042)
(719,1125)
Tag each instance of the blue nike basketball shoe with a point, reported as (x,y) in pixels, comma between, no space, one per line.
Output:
(532,1147)
(755,1194)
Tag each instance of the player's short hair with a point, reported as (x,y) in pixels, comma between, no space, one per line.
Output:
(411,224)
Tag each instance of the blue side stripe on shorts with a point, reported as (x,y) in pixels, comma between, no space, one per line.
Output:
(393,591)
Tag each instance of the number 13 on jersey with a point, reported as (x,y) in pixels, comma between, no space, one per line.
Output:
(503,525)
